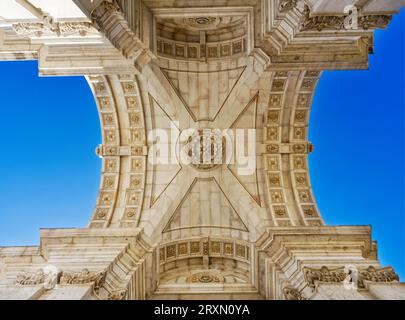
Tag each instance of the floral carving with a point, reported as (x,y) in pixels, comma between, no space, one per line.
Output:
(117,295)
(319,23)
(205,277)
(377,275)
(27,29)
(339,275)
(47,277)
(287,5)
(293,294)
(31,279)
(84,277)
(374,21)
(313,276)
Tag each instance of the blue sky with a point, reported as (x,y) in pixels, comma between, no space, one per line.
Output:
(357,127)
(50,129)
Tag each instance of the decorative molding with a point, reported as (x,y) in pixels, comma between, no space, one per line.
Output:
(195,52)
(206,246)
(121,151)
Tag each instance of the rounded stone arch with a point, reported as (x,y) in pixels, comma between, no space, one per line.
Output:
(123,151)
(291,200)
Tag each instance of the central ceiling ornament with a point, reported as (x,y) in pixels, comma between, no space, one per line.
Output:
(202,22)
(206,149)
(205,277)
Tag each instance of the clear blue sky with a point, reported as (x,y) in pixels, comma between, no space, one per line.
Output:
(357,127)
(50,129)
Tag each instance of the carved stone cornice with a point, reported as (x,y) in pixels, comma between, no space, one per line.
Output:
(110,19)
(297,38)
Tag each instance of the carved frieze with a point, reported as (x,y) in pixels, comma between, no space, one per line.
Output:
(47,277)
(83,277)
(31,279)
(324,22)
(373,274)
(320,23)
(340,275)
(325,274)
(38,29)
(374,21)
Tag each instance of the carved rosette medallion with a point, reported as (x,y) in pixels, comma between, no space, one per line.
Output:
(202,23)
(205,277)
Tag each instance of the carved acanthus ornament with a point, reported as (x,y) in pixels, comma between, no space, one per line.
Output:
(287,5)
(340,275)
(31,279)
(49,27)
(374,21)
(117,295)
(293,294)
(313,276)
(47,277)
(384,275)
(83,277)
(321,22)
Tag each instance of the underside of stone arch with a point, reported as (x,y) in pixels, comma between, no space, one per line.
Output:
(169,229)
